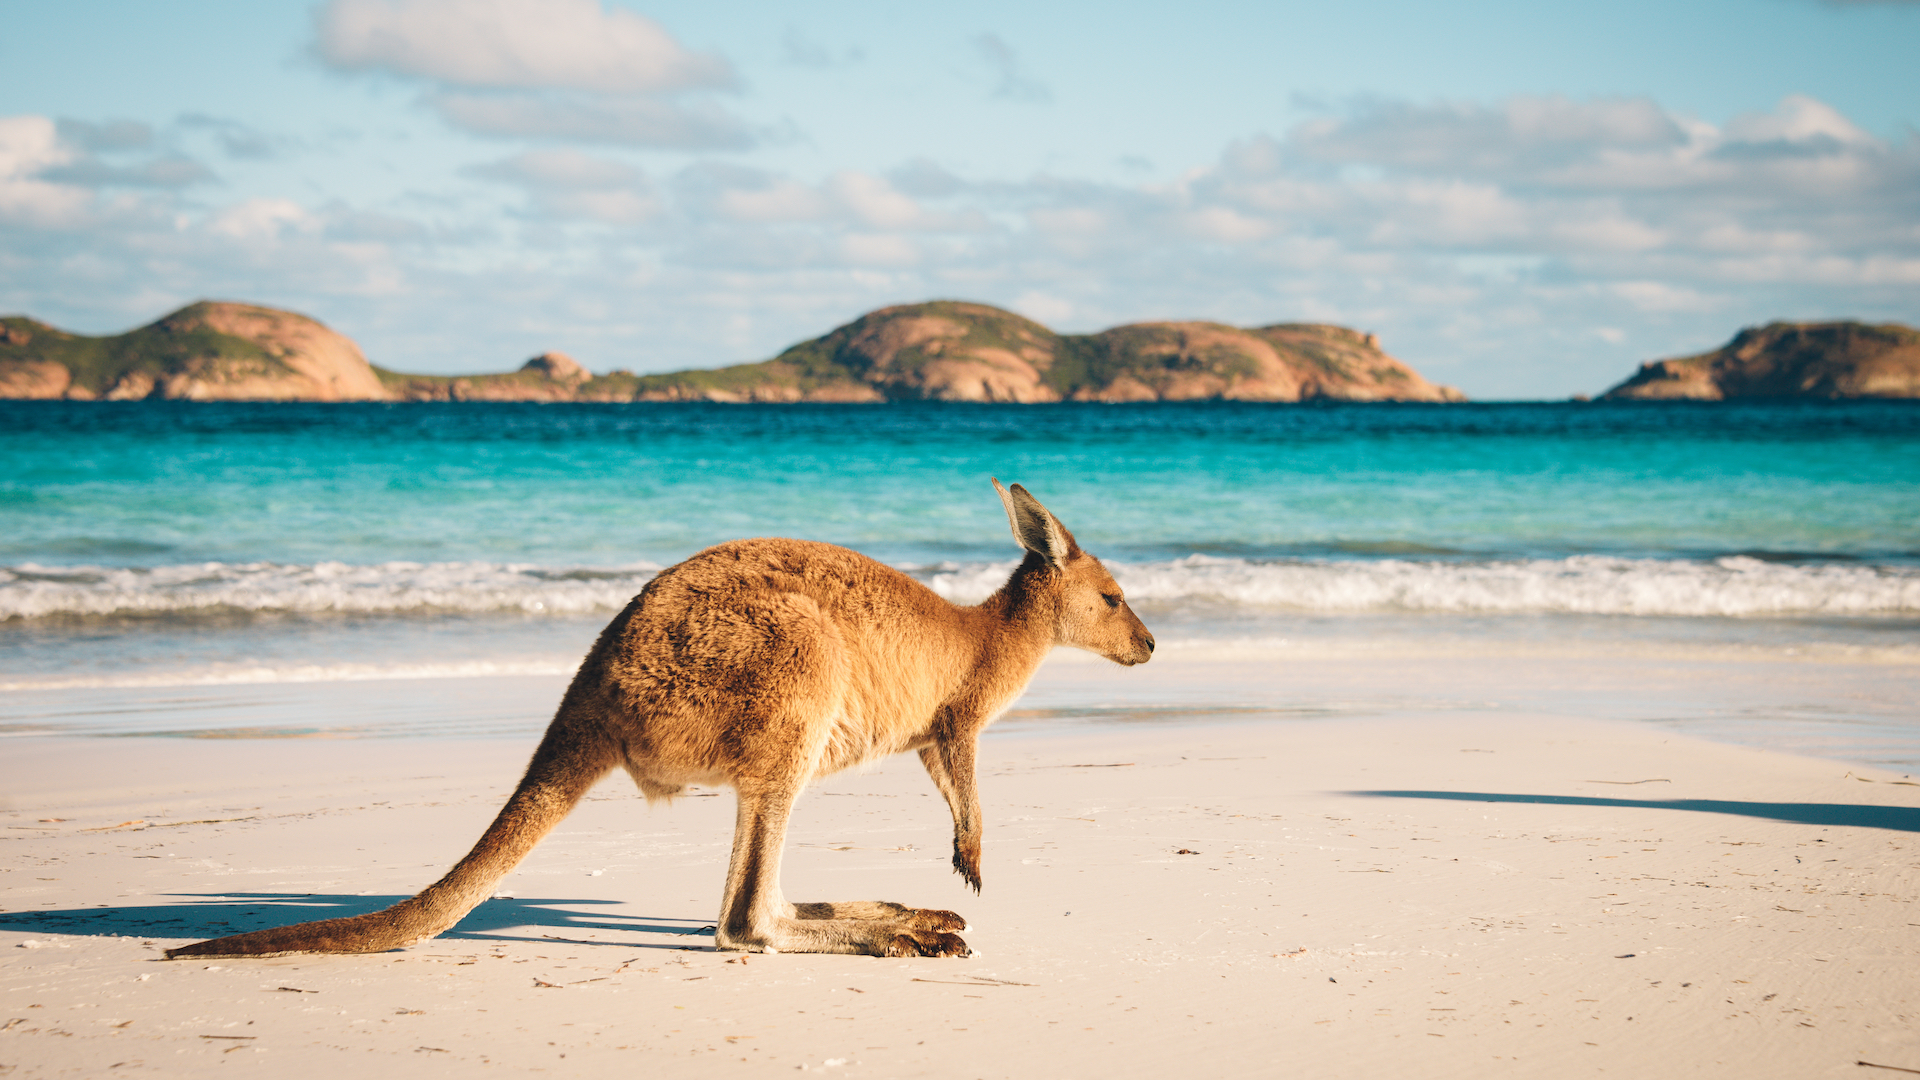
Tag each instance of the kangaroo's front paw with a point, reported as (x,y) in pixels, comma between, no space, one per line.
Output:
(927,944)
(966,860)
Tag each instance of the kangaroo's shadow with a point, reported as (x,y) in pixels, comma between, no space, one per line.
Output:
(1852,815)
(203,915)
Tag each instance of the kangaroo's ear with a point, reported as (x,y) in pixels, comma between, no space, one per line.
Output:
(1035,527)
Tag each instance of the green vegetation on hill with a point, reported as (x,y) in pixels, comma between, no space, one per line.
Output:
(97,364)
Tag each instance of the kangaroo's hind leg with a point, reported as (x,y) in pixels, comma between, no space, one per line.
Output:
(755,917)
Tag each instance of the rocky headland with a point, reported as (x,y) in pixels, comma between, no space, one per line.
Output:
(208,351)
(939,351)
(1788,360)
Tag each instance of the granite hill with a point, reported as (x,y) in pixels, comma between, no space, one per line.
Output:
(939,351)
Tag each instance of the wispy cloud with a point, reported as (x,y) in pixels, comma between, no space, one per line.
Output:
(106,136)
(238,140)
(629,120)
(1012,82)
(572,185)
(802,51)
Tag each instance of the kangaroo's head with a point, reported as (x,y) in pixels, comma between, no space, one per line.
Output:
(1091,611)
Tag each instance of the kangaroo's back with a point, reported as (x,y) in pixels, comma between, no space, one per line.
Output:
(751,648)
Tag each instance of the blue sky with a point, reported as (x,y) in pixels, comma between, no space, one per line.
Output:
(1522,199)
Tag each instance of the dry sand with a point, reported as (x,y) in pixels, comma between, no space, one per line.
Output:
(1459,891)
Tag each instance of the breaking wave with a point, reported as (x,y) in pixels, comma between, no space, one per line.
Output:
(1732,586)
(34,592)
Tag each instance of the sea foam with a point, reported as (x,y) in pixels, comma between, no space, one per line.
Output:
(1733,586)
(1583,584)
(30,592)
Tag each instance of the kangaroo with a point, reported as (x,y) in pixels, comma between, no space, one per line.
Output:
(766,665)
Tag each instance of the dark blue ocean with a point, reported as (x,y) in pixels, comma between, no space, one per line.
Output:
(189,544)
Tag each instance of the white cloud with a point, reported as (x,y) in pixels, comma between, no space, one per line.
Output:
(72,174)
(1520,135)
(514,44)
(779,201)
(1606,233)
(875,201)
(879,249)
(29,144)
(48,170)
(1226,224)
(1043,307)
(1797,119)
(570,70)
(261,219)
(1575,180)
(565,170)
(850,199)
(1069,221)
(1661,296)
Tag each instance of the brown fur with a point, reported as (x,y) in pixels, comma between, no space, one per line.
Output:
(766,665)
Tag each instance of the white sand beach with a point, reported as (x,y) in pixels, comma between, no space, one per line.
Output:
(1459,880)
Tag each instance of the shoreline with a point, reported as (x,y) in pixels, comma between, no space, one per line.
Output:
(1844,704)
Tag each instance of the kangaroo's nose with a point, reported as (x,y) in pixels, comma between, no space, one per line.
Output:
(1149,643)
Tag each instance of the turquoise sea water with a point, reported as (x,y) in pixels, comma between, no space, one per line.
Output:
(177,544)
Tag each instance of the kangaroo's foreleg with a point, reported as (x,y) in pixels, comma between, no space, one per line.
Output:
(755,916)
(950,762)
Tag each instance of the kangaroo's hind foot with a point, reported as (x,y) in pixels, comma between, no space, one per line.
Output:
(927,944)
(875,928)
(928,919)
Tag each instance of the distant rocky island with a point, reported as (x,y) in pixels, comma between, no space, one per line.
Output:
(1788,360)
(939,351)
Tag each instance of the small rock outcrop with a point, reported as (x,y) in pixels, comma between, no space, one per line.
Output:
(1788,360)
(558,367)
(552,376)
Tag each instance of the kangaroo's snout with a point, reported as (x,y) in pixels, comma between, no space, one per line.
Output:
(1142,649)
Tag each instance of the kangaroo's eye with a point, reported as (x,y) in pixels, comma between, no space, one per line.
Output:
(1112,600)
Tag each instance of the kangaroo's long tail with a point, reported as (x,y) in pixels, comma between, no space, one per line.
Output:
(570,759)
